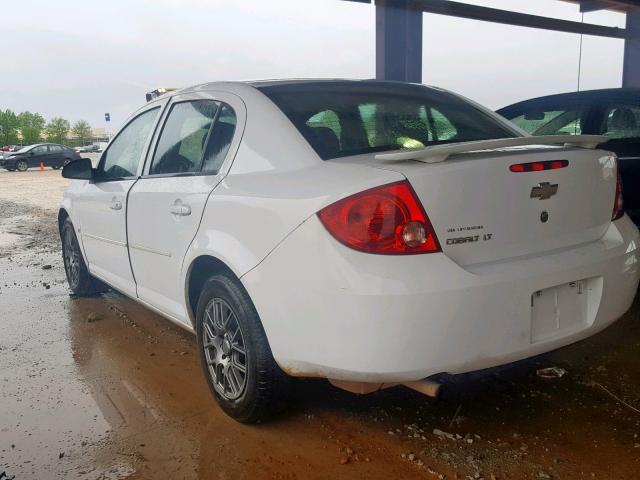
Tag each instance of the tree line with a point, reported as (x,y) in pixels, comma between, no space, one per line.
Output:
(27,128)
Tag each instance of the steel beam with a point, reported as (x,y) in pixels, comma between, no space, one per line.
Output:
(398,41)
(495,15)
(631,64)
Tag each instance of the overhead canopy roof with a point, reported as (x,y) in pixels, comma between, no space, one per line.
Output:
(510,17)
(399,31)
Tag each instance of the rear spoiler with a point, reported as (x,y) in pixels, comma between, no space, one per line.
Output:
(439,153)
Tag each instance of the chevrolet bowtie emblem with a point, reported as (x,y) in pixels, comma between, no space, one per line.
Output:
(544,190)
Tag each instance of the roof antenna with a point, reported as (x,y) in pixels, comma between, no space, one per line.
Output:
(580,56)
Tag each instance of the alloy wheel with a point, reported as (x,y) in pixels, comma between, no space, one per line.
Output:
(22,166)
(224,349)
(72,259)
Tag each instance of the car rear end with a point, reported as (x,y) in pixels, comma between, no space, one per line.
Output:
(480,260)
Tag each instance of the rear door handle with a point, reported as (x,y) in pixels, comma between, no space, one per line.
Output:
(179,208)
(115,204)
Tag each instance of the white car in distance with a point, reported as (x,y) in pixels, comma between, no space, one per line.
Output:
(372,233)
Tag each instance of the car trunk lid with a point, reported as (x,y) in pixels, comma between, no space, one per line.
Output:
(484,212)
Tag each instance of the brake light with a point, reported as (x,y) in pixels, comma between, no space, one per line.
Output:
(386,220)
(618,206)
(539,166)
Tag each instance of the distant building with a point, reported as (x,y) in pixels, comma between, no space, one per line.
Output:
(98,135)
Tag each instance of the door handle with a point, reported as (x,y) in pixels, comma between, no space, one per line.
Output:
(179,208)
(115,204)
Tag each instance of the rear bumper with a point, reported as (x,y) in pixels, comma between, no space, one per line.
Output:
(333,312)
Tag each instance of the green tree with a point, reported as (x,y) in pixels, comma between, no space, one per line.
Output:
(57,129)
(31,127)
(82,130)
(8,127)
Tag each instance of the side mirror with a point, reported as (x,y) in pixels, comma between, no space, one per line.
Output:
(31,153)
(81,169)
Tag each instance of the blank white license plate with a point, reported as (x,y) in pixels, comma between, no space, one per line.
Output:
(560,310)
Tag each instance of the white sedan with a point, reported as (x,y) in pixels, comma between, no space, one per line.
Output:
(372,233)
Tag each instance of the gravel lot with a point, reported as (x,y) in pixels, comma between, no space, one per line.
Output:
(101,388)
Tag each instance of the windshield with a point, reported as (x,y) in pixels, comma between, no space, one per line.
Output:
(350,118)
(24,149)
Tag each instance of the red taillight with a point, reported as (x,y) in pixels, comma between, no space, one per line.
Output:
(539,166)
(618,206)
(387,219)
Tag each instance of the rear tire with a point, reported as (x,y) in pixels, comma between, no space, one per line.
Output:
(235,354)
(81,282)
(22,166)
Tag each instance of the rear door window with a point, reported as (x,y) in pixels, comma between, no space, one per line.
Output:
(219,140)
(195,138)
(182,142)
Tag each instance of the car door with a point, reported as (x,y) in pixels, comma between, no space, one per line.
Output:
(54,159)
(102,204)
(38,154)
(165,206)
(620,122)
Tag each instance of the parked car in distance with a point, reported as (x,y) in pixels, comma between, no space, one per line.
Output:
(10,148)
(49,154)
(613,112)
(88,148)
(372,233)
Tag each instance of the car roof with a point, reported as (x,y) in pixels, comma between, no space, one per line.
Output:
(584,96)
(44,144)
(238,86)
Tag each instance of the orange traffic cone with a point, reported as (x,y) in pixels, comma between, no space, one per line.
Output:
(41,167)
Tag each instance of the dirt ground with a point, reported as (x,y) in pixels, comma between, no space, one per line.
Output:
(101,388)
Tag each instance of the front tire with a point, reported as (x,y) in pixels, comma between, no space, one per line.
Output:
(235,354)
(81,282)
(22,165)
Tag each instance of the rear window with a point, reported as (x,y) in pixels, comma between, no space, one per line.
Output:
(350,119)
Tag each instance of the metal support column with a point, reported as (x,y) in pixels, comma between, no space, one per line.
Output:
(398,41)
(631,68)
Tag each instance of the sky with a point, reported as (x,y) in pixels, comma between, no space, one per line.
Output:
(79,59)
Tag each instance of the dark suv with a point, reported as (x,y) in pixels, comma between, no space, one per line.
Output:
(613,112)
(49,154)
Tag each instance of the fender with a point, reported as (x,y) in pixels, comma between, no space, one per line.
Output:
(66,205)
(241,229)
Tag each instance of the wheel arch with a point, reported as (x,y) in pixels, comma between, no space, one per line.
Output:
(62,216)
(200,270)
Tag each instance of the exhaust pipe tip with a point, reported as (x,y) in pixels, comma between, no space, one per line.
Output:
(426,387)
